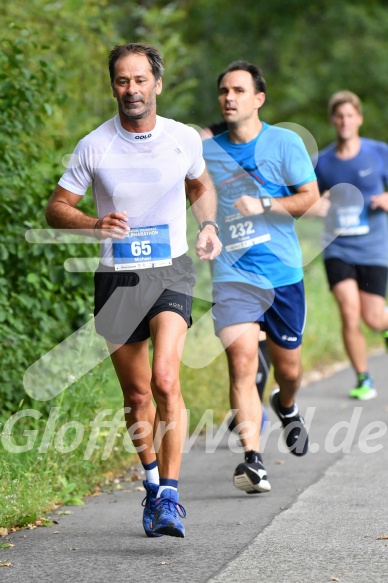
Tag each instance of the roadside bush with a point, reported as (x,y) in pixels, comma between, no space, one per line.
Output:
(35,311)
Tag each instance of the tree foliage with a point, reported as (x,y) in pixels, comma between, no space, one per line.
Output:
(54,88)
(163,24)
(307,51)
(40,304)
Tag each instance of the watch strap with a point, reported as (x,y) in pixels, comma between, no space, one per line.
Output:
(266,203)
(204,223)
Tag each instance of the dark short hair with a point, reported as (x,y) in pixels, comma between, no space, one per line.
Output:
(154,57)
(257,76)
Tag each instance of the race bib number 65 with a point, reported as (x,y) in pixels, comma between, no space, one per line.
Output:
(143,248)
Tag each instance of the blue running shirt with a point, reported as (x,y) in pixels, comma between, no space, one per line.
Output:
(262,250)
(368,172)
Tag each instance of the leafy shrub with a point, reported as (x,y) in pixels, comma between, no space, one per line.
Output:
(35,311)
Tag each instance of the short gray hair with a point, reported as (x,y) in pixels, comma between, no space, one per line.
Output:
(154,57)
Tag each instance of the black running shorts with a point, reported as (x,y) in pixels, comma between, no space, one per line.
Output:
(125,301)
(369,278)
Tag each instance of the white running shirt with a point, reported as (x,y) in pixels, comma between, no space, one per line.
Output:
(141,173)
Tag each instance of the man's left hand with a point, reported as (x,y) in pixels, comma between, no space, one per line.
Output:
(379,201)
(247,205)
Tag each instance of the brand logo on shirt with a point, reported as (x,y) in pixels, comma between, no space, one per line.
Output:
(289,338)
(143,137)
(366,172)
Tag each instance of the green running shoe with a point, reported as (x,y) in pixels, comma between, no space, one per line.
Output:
(364,390)
(385,336)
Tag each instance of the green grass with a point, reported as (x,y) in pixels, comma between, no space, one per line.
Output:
(64,454)
(33,481)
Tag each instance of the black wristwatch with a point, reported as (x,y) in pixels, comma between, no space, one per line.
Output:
(266,203)
(204,223)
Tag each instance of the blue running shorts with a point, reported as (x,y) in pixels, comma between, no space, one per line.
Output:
(281,312)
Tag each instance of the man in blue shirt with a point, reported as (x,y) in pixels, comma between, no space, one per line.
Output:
(353,172)
(263,353)
(264,178)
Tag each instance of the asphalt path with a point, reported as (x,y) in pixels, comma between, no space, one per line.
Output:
(325,518)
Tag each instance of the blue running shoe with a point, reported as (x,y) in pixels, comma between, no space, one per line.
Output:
(149,507)
(167,513)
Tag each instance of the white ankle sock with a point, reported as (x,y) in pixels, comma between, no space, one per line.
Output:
(152,475)
(161,488)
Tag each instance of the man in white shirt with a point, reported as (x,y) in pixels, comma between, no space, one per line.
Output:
(140,166)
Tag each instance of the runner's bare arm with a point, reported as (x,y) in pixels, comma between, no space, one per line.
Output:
(61,213)
(203,199)
(296,204)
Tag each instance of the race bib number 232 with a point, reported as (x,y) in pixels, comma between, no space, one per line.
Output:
(241,232)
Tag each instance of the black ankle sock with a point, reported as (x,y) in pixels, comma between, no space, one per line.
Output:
(252,457)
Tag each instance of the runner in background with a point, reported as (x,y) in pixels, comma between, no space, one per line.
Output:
(264,179)
(352,175)
(263,353)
